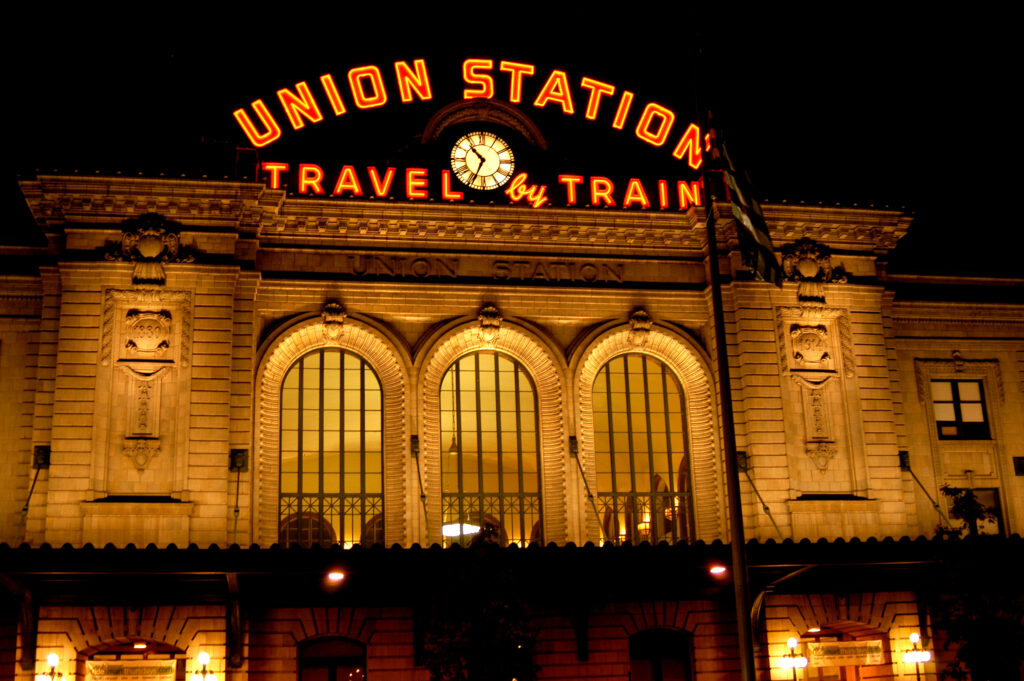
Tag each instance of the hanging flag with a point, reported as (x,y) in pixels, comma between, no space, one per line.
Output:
(751,228)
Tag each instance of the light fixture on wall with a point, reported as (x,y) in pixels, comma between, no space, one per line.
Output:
(916,655)
(791,660)
(203,660)
(52,660)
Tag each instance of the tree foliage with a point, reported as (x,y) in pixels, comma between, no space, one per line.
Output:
(977,598)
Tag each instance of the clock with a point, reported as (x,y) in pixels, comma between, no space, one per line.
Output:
(482,160)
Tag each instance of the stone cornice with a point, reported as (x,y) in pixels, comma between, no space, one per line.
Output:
(840,228)
(250,207)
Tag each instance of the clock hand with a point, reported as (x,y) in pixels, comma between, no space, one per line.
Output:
(473,149)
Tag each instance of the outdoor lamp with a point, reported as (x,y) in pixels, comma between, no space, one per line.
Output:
(915,655)
(203,659)
(792,660)
(52,660)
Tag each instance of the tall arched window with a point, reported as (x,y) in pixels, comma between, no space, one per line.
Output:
(643,472)
(490,457)
(331,486)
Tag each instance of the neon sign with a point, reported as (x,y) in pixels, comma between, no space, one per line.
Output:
(366,87)
(419,184)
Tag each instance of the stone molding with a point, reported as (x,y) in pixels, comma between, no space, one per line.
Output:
(956,367)
(546,371)
(296,341)
(694,374)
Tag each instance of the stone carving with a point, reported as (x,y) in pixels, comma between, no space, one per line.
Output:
(144,406)
(139,299)
(640,327)
(490,324)
(810,345)
(141,451)
(821,453)
(810,263)
(148,333)
(333,316)
(807,260)
(149,241)
(831,320)
(818,420)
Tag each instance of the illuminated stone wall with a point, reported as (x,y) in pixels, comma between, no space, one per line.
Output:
(142,389)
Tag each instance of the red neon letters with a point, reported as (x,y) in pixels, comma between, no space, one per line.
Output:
(367,89)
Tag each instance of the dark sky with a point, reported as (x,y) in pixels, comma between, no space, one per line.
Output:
(869,108)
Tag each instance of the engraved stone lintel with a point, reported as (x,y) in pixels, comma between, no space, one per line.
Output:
(333,316)
(640,327)
(490,324)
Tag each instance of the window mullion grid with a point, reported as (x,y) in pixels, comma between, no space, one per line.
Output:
(957,413)
(653,522)
(479,439)
(320,454)
(459,445)
(300,453)
(634,494)
(611,453)
(524,537)
(500,442)
(362,442)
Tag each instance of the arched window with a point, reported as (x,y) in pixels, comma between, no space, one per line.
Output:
(332,659)
(660,655)
(331,486)
(643,472)
(490,457)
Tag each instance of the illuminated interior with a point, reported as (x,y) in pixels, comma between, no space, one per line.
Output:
(331,457)
(490,451)
(643,476)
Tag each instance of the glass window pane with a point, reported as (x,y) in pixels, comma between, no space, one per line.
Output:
(638,421)
(496,422)
(942,390)
(970,391)
(972,413)
(329,501)
(944,412)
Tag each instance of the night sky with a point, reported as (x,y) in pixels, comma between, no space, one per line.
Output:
(868,109)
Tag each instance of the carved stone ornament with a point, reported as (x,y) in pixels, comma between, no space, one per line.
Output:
(810,263)
(149,241)
(821,453)
(640,327)
(333,315)
(490,323)
(807,260)
(141,452)
(810,345)
(148,333)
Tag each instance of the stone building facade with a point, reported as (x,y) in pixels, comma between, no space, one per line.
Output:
(161,357)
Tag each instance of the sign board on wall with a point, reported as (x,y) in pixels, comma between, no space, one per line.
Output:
(844,653)
(132,670)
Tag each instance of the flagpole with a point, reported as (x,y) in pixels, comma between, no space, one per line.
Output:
(744,630)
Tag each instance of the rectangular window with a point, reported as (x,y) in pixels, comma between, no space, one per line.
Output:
(960,410)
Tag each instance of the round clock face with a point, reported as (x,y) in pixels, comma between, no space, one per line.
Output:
(482,160)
